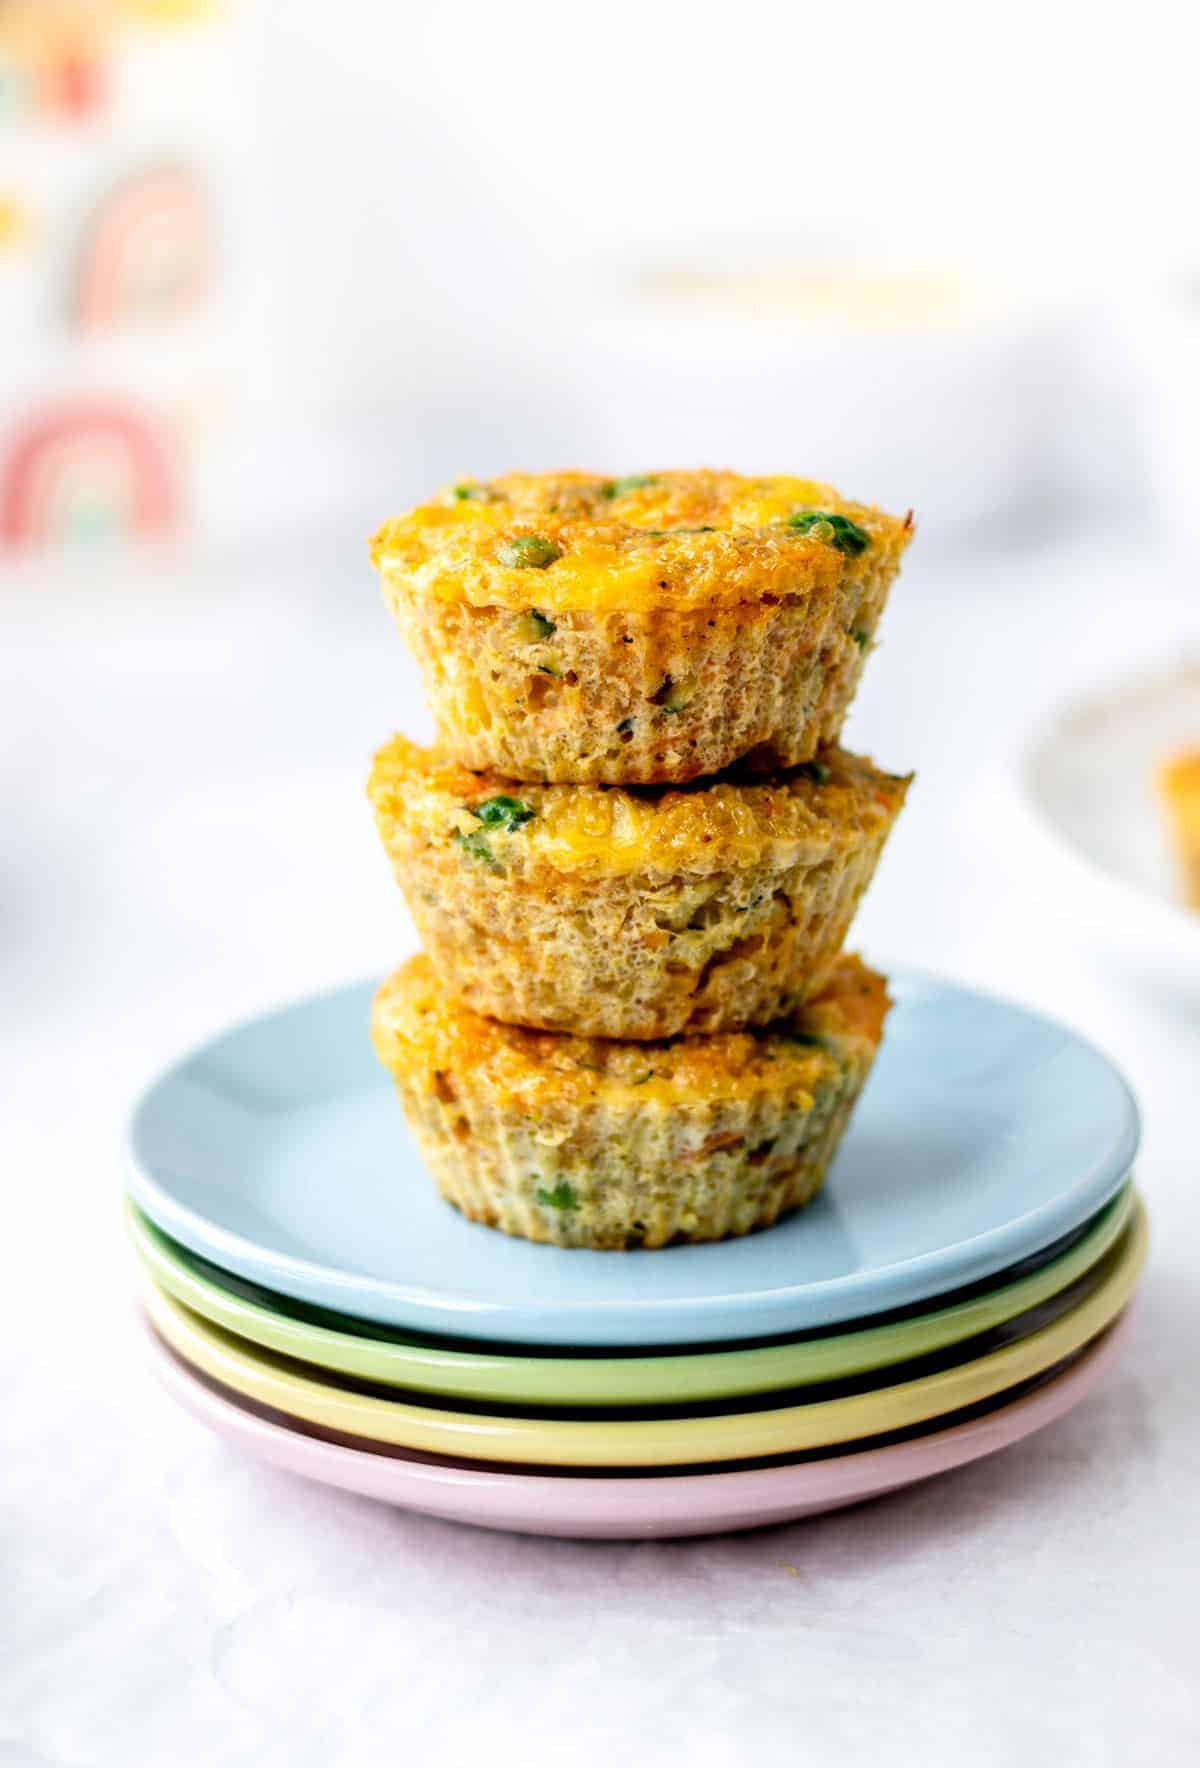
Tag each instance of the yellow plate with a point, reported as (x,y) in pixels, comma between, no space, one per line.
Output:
(647,1441)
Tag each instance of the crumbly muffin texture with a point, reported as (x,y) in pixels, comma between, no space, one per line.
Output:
(1179,789)
(657,627)
(632,914)
(593,1143)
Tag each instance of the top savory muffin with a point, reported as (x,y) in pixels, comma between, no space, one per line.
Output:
(640,629)
(646,541)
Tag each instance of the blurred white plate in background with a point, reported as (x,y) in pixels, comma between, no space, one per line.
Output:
(1085,792)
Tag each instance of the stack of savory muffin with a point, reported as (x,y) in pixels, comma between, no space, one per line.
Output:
(636,852)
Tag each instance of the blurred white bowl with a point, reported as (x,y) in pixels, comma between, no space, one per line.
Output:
(909,386)
(1164,334)
(1092,829)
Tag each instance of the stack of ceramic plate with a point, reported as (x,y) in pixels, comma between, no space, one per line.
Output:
(960,1283)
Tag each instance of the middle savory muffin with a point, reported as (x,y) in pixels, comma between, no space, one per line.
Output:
(590,1143)
(627,912)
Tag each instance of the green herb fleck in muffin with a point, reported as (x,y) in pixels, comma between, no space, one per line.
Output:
(529,552)
(834,530)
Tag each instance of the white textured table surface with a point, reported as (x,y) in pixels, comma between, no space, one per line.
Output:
(185,840)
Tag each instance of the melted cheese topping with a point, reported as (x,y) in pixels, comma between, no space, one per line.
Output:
(415,1024)
(703,828)
(668,539)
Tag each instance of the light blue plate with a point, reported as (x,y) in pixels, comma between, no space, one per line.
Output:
(279,1152)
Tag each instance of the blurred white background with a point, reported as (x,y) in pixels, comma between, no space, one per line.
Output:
(936,252)
(920,247)
(940,254)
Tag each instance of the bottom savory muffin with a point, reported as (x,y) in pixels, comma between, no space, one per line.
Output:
(589,1142)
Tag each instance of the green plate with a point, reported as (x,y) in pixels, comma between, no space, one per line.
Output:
(470,1372)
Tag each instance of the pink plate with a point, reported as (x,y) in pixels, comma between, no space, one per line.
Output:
(633,1507)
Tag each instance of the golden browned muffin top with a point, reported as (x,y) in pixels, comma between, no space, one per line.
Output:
(579,541)
(819,811)
(417,1026)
